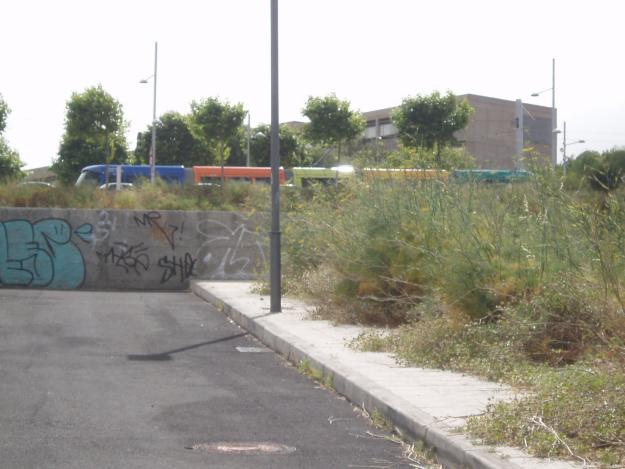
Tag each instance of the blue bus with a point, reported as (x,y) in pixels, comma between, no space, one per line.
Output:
(95,174)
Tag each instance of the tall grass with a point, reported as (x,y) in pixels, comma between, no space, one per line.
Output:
(477,247)
(521,283)
(159,196)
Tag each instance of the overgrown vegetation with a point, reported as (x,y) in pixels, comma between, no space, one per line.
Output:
(10,163)
(519,283)
(143,196)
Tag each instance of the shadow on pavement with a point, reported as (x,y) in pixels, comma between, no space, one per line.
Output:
(166,356)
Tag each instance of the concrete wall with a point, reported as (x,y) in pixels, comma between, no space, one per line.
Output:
(490,135)
(125,249)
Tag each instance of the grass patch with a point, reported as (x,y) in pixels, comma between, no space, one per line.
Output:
(562,347)
(160,196)
(574,412)
(307,369)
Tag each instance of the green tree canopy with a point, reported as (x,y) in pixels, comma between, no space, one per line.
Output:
(431,121)
(4,112)
(291,149)
(217,125)
(331,121)
(10,163)
(94,133)
(603,171)
(175,144)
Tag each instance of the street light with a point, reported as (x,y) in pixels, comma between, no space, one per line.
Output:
(274,236)
(153,146)
(565,144)
(554,120)
(249,137)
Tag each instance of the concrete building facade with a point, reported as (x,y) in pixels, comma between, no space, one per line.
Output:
(490,136)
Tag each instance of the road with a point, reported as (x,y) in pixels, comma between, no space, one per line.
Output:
(161,380)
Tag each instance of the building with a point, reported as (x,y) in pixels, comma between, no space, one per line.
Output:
(491,135)
(42,174)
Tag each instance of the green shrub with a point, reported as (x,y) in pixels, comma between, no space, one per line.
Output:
(604,172)
(576,412)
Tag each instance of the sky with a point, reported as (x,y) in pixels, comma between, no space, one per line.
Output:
(372,53)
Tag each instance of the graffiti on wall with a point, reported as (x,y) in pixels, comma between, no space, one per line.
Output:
(131,258)
(42,254)
(103,228)
(116,250)
(181,268)
(223,251)
(158,229)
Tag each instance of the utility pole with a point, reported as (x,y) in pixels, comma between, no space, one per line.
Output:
(153,148)
(249,137)
(274,236)
(554,118)
(519,130)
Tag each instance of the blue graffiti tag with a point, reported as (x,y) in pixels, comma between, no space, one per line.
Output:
(42,254)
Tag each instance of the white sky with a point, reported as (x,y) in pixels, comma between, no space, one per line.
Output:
(370,52)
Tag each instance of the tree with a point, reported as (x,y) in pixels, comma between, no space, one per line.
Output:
(331,121)
(448,159)
(431,121)
(291,151)
(94,133)
(175,144)
(605,171)
(217,124)
(4,112)
(10,163)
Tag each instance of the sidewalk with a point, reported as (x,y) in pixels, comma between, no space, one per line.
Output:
(425,404)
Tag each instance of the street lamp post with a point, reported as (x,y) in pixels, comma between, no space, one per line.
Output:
(274,235)
(249,137)
(565,144)
(519,129)
(153,145)
(554,119)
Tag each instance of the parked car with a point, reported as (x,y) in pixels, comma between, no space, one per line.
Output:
(112,186)
(35,183)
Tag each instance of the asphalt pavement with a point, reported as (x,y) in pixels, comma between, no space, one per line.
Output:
(427,405)
(162,380)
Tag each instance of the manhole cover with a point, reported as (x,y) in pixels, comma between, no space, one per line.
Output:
(225,447)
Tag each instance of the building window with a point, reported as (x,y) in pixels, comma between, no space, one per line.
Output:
(370,132)
(387,130)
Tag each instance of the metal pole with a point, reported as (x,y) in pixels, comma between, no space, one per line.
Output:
(554,120)
(153,152)
(564,148)
(519,130)
(275,277)
(249,136)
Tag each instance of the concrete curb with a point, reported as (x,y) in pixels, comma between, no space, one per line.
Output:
(453,450)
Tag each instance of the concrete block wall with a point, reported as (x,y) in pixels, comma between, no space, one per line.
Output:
(125,249)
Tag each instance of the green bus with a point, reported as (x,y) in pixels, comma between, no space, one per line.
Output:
(305,177)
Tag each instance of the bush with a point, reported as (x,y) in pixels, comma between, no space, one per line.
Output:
(604,172)
(576,412)
(450,158)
